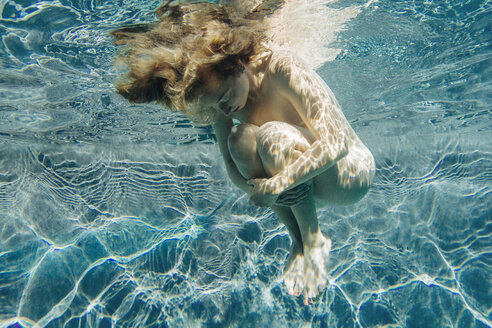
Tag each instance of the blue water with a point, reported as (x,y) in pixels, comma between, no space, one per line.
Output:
(117,215)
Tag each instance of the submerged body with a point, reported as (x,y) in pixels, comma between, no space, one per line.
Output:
(292,149)
(281,132)
(282,91)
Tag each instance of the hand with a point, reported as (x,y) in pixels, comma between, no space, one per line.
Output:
(263,192)
(294,196)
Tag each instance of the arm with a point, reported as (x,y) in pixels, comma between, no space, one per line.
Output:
(222,129)
(320,112)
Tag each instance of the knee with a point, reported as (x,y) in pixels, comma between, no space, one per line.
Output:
(242,134)
(279,144)
(274,136)
(242,138)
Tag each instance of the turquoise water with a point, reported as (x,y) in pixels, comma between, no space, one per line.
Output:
(116,215)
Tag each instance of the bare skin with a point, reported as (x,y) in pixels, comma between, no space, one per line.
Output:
(292,150)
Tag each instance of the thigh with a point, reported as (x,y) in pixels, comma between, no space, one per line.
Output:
(280,144)
(348,180)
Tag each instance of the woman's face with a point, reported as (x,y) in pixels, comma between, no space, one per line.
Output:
(230,96)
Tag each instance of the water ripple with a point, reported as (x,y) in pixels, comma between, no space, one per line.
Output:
(128,231)
(109,219)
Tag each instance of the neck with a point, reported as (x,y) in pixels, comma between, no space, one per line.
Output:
(255,79)
(255,71)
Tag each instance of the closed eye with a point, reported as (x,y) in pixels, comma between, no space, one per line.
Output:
(225,96)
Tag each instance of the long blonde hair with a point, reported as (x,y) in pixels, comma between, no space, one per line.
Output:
(169,60)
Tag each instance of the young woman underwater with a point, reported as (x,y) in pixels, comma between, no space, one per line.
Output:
(281,132)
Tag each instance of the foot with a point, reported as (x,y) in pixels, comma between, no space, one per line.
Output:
(294,271)
(316,252)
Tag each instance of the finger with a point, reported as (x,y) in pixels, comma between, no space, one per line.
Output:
(292,196)
(290,200)
(286,202)
(287,196)
(299,191)
(303,188)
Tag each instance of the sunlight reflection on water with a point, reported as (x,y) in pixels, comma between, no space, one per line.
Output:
(121,215)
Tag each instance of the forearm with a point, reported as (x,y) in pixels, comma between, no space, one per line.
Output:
(318,158)
(222,130)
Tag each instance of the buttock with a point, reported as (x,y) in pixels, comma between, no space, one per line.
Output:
(348,180)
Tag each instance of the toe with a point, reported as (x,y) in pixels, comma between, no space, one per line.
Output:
(308,301)
(297,289)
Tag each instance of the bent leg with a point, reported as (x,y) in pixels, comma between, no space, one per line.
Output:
(293,273)
(243,149)
(316,247)
(280,144)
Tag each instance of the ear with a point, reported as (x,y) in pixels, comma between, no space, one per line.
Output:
(147,82)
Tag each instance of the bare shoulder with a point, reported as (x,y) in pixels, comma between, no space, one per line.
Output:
(284,61)
(306,90)
(295,78)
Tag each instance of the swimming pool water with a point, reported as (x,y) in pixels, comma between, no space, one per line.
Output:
(119,215)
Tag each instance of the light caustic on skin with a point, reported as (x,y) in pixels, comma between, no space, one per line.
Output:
(284,164)
(282,135)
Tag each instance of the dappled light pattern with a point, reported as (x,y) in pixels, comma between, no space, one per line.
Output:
(117,215)
(123,239)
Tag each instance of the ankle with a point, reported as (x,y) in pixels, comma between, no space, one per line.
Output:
(296,247)
(314,239)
